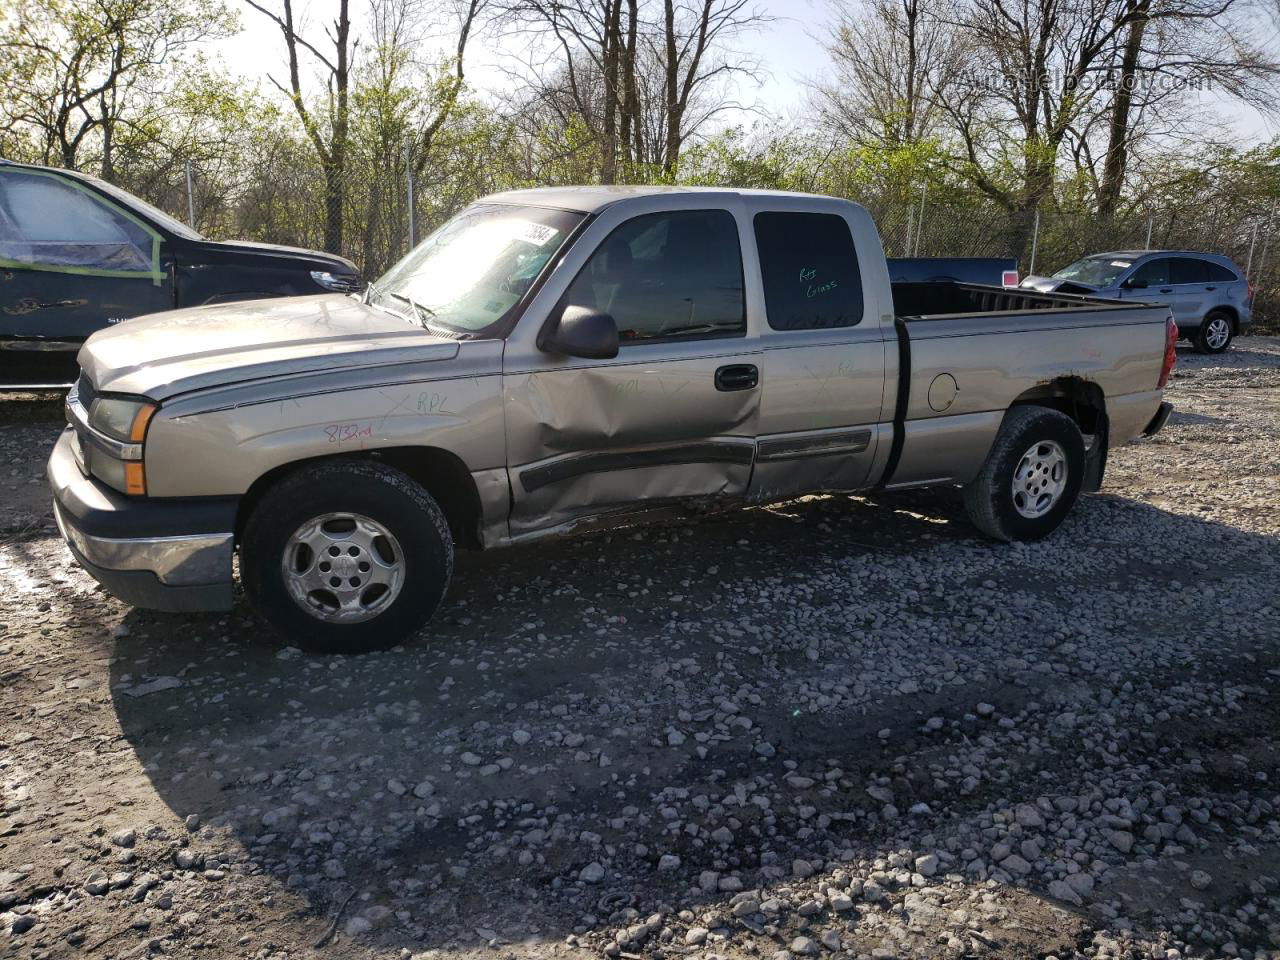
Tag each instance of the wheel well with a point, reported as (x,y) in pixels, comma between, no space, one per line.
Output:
(1080,399)
(1085,403)
(441,473)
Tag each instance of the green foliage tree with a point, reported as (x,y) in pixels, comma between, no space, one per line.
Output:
(83,74)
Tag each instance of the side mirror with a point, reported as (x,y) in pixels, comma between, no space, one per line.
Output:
(581,332)
(1135,284)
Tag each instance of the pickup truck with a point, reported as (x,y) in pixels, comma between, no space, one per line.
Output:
(560,360)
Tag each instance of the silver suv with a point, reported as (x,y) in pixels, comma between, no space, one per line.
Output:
(1209,296)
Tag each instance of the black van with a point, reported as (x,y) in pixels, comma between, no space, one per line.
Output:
(77,254)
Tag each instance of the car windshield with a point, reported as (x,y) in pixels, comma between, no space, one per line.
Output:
(470,273)
(1095,271)
(138,205)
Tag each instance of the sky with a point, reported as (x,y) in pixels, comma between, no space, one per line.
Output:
(791,48)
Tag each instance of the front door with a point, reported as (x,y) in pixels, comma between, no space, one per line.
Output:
(77,261)
(671,418)
(72,263)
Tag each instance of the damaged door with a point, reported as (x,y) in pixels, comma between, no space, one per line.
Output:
(672,417)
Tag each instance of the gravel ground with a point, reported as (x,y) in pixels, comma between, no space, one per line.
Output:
(841,726)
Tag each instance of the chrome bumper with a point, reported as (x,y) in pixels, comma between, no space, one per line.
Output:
(179,561)
(175,561)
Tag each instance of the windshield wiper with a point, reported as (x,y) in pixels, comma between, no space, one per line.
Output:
(421,313)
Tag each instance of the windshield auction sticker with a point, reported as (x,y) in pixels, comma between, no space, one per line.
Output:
(538,234)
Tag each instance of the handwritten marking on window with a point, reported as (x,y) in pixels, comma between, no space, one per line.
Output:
(813,289)
(341,433)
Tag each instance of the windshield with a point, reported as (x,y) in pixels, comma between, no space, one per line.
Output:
(1095,271)
(468,275)
(129,201)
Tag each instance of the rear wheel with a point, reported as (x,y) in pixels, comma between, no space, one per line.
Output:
(346,557)
(1214,335)
(1032,476)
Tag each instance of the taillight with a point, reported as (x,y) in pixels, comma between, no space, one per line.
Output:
(1010,278)
(1170,352)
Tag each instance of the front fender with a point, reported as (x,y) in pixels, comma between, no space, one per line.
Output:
(219,444)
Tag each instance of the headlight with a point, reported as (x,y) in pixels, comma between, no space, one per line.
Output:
(340,282)
(121,419)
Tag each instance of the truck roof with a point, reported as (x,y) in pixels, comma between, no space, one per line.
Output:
(590,199)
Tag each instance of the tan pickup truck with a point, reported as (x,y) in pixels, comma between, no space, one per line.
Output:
(559,360)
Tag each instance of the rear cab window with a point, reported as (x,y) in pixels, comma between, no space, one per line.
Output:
(810,271)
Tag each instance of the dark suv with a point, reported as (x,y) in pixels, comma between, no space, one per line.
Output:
(77,254)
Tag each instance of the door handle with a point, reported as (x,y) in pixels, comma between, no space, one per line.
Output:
(737,376)
(1211,288)
(1166,289)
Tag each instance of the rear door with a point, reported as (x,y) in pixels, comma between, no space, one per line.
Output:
(672,417)
(822,409)
(73,261)
(1190,278)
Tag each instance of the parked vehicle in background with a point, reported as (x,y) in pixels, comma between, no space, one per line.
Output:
(557,360)
(993,271)
(1209,295)
(77,255)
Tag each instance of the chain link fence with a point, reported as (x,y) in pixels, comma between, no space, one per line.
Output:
(281,198)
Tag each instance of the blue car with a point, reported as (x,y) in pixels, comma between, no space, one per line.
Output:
(1209,295)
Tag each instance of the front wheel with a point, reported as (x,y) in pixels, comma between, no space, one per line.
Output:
(1032,476)
(346,557)
(1214,335)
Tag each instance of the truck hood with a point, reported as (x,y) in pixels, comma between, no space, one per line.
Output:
(165,354)
(300,255)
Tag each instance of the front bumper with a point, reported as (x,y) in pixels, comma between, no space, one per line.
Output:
(170,555)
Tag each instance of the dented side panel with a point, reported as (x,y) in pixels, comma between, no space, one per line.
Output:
(650,425)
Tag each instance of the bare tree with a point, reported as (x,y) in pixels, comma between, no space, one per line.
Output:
(610,50)
(1170,47)
(890,56)
(692,32)
(328,134)
(1039,54)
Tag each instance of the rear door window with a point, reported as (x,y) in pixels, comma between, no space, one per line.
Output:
(47,222)
(1155,273)
(810,271)
(1218,273)
(1190,270)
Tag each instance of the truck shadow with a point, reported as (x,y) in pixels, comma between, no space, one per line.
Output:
(572,705)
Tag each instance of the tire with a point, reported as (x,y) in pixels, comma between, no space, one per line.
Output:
(1050,444)
(393,559)
(1215,333)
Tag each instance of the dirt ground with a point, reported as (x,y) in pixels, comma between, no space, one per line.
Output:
(843,726)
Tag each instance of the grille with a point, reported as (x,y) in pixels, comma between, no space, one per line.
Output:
(86,391)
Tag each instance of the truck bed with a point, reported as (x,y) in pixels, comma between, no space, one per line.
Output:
(925,300)
(967,352)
